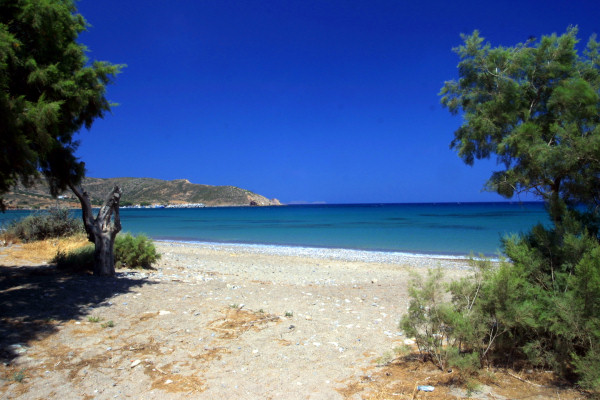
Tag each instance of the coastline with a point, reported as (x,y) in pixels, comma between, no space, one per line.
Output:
(329,253)
(423,230)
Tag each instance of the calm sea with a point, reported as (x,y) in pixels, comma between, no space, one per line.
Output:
(445,228)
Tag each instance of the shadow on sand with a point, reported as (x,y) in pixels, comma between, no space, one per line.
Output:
(35,300)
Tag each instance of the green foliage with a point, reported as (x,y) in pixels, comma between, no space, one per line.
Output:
(426,317)
(19,376)
(130,251)
(135,251)
(50,91)
(108,324)
(54,223)
(450,322)
(543,307)
(79,260)
(536,106)
(558,275)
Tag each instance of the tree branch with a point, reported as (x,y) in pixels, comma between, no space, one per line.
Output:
(86,210)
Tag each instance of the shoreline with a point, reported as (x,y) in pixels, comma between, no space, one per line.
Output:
(331,253)
(337,255)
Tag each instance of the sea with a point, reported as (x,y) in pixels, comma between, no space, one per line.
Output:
(438,229)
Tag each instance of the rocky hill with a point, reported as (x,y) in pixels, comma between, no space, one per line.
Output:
(145,191)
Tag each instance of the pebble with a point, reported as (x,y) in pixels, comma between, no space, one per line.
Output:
(18,348)
(417,260)
(135,363)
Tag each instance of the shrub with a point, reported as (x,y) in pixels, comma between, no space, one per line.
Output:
(425,320)
(53,223)
(130,251)
(557,319)
(78,260)
(135,251)
(452,323)
(543,308)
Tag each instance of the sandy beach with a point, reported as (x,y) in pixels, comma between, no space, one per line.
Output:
(222,322)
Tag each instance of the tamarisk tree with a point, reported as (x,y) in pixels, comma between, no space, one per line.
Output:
(48,91)
(537,107)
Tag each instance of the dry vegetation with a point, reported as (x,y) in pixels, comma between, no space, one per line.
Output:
(40,252)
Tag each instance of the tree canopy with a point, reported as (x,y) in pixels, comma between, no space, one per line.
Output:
(537,107)
(49,91)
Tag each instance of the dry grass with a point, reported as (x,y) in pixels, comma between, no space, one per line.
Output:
(41,251)
(237,321)
(401,378)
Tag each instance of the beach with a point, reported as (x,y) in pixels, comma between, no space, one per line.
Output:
(219,322)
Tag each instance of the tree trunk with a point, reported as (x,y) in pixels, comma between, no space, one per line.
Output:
(103,229)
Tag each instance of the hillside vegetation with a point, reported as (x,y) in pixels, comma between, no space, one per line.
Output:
(139,191)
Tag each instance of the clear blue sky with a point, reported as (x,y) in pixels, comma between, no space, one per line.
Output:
(333,101)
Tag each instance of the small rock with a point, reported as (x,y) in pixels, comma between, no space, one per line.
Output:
(168,381)
(135,363)
(163,312)
(307,317)
(18,348)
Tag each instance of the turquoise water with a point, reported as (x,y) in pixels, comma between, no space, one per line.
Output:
(445,228)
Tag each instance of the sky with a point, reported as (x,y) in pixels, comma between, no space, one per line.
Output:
(300,100)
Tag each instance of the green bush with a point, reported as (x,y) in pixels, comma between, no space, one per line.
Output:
(79,260)
(449,322)
(425,320)
(130,251)
(135,251)
(542,308)
(556,322)
(53,223)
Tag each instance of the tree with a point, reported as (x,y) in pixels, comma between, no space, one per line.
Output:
(49,91)
(537,107)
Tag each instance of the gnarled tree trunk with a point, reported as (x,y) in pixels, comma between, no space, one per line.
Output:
(103,229)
